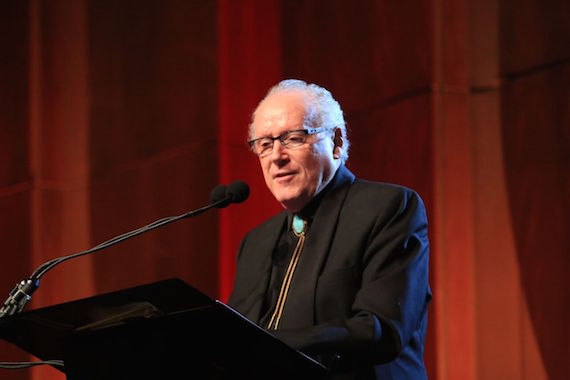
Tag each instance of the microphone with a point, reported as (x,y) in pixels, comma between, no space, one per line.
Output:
(220,196)
(238,191)
(235,192)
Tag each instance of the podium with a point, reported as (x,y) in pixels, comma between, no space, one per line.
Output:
(162,330)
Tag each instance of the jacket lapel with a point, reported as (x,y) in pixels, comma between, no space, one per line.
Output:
(299,307)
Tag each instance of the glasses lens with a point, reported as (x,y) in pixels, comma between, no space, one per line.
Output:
(294,139)
(263,146)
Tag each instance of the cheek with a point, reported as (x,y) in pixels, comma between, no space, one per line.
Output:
(314,166)
(265,170)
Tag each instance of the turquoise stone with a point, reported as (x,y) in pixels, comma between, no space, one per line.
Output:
(298,224)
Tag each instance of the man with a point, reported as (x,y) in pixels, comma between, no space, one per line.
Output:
(342,273)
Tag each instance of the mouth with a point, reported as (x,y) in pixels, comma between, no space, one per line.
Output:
(283,176)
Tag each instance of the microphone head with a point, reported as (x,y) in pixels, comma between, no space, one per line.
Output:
(217,194)
(238,191)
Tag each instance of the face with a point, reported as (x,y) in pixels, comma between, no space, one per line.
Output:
(294,176)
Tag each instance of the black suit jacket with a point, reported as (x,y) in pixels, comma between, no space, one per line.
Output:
(359,296)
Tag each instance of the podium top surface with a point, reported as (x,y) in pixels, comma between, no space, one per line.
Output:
(169,308)
(41,331)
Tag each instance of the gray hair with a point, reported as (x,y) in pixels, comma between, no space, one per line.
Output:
(322,110)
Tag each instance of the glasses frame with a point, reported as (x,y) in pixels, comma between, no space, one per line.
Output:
(283,136)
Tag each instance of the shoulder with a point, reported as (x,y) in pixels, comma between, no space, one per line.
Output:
(365,190)
(370,191)
(384,202)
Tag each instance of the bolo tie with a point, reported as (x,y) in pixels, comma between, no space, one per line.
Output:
(299,228)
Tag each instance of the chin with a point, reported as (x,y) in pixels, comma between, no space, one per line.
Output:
(288,204)
(292,203)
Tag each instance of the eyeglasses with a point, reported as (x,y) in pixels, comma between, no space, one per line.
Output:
(263,146)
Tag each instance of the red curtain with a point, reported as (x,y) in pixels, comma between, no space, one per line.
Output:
(115,114)
(249,35)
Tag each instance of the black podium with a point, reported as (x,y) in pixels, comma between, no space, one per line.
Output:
(163,330)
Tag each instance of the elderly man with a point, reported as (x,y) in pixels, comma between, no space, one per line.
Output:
(342,273)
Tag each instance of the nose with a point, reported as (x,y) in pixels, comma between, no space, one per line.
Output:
(278,153)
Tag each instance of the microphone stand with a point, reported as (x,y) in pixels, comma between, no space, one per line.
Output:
(22,292)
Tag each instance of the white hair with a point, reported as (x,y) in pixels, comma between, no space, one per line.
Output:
(323,111)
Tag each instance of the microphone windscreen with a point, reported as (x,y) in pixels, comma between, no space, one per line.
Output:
(238,190)
(217,194)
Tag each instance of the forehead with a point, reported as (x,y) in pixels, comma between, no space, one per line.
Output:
(280,112)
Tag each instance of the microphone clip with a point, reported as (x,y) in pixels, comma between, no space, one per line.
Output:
(19,297)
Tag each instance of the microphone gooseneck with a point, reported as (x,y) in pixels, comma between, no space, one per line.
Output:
(220,196)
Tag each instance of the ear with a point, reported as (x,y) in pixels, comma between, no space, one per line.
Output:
(338,143)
